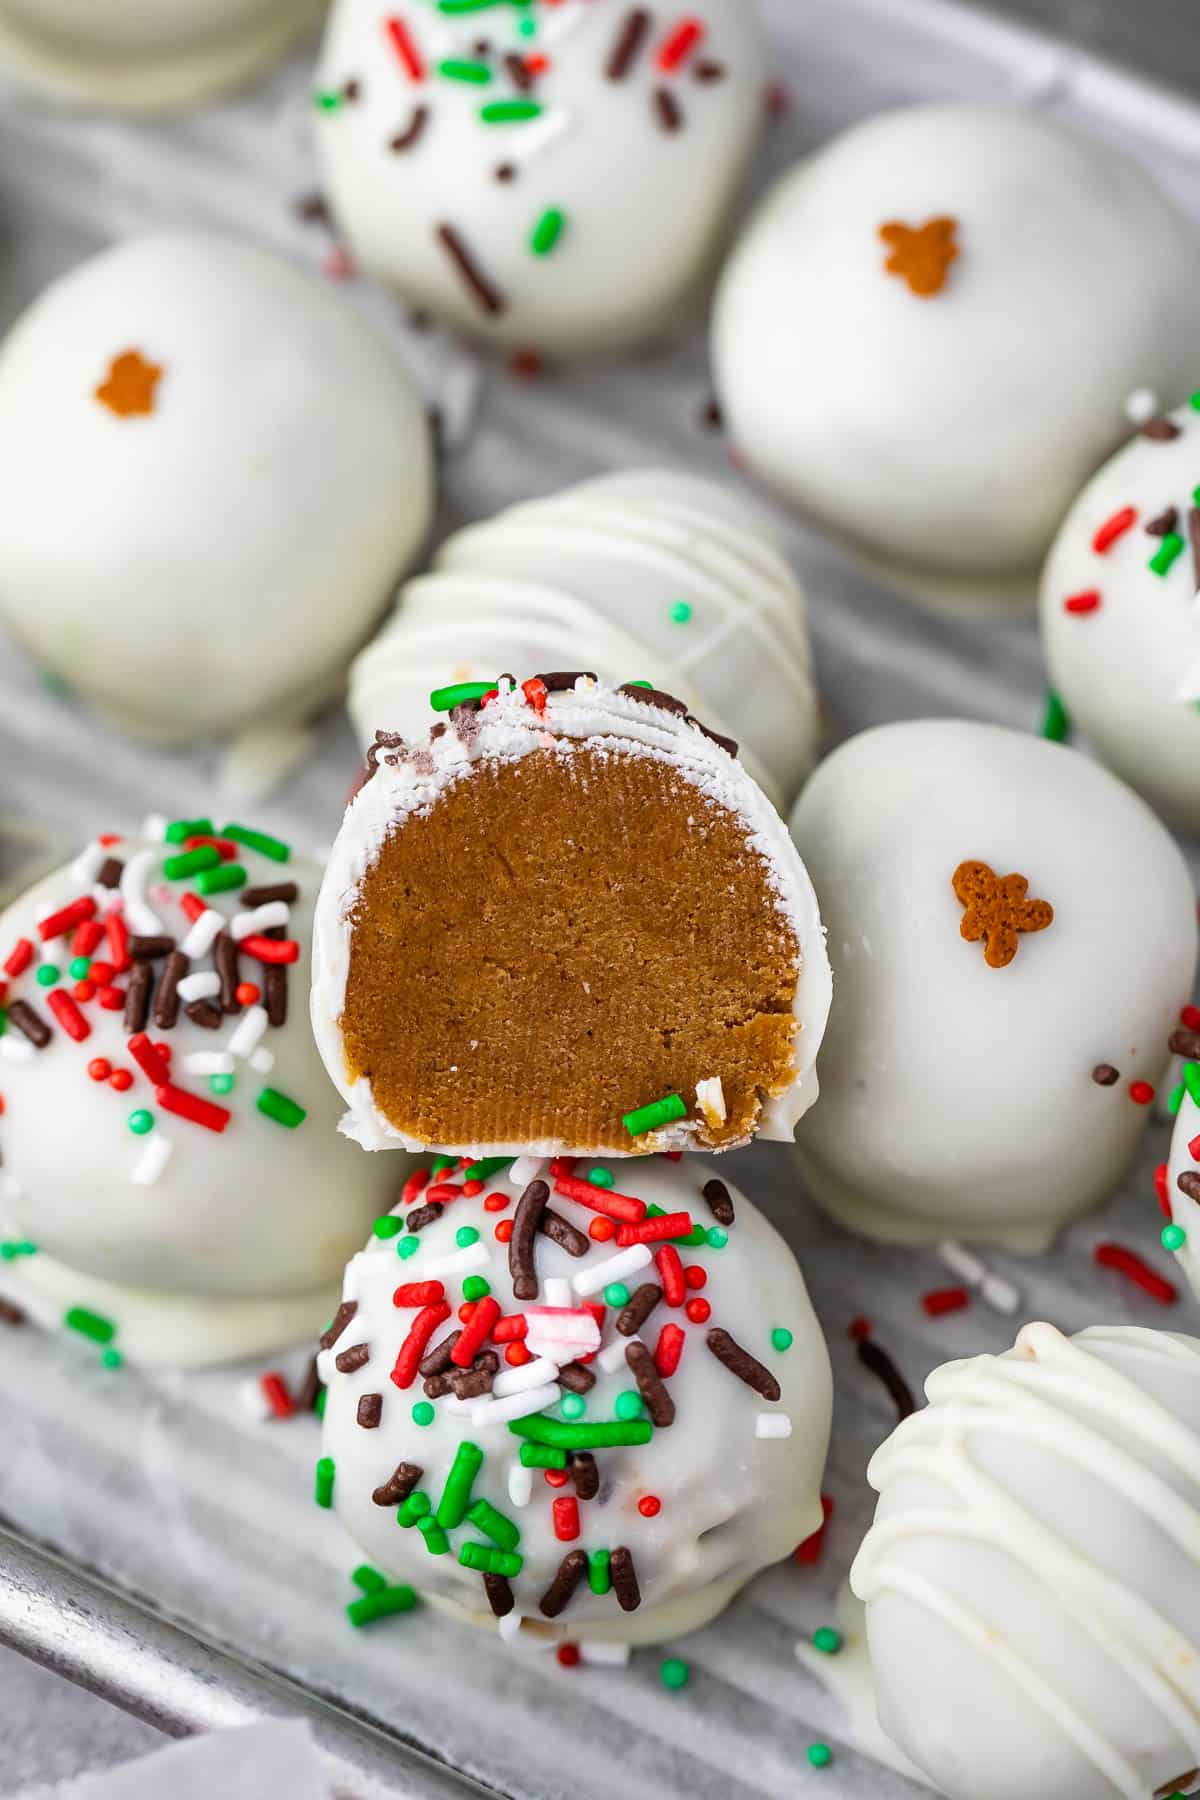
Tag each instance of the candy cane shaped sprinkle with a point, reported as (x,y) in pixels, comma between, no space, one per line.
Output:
(244,1038)
(153,1160)
(205,930)
(611,1269)
(204,986)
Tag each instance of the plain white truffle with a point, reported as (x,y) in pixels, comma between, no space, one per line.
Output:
(1032,1578)
(1119,615)
(631,176)
(649,574)
(732,1500)
(213,475)
(957,1098)
(950,431)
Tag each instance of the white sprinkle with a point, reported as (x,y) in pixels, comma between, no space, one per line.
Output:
(1000,1294)
(605,1656)
(710,1099)
(243,1040)
(262,1061)
(10,1188)
(613,1268)
(142,920)
(612,1357)
(88,863)
(152,1161)
(262,918)
(154,827)
(1141,406)
(509,1627)
(208,1062)
(203,934)
(252,1400)
(16,1050)
(558,1290)
(459,1262)
(772,1425)
(525,1170)
(963,1262)
(520,1484)
(485,1412)
(365,1265)
(458,401)
(205,986)
(537,136)
(527,1375)
(325,1367)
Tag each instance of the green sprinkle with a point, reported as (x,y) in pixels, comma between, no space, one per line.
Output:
(273,847)
(465,1236)
(715,1238)
(1191,1080)
(476,1288)
(674,1673)
(3,1020)
(681,612)
(382,1605)
(827,1640)
(820,1755)
(322,1401)
(487,1166)
(1174,1237)
(442,1162)
(628,1404)
(14,1247)
(111,1359)
(1194,402)
(659,1112)
(572,1406)
(444,700)
(368,1579)
(325,1474)
(489,1561)
(604,1435)
(422,1413)
(90,1325)
(493,1524)
(599,1575)
(616,1294)
(191,862)
(602,1178)
(781,1338)
(140,1122)
(436,1541)
(326,100)
(388,1227)
(277,1106)
(1175,1099)
(515,112)
(406,1247)
(415,1507)
(645,684)
(542,1456)
(48,974)
(548,230)
(1168,552)
(179,830)
(456,1495)
(1055,724)
(459,69)
(80,967)
(220,1084)
(221,881)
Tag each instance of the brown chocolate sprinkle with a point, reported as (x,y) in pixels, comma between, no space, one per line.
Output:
(571,1571)
(370,1411)
(473,1383)
(708,71)
(506,172)
(438,1359)
(651,1385)
(720,1201)
(996,909)
(1185,1043)
(561,1232)
(631,35)
(338,1324)
(287,891)
(491,300)
(584,1473)
(667,109)
(1160,431)
(424,1215)
(520,73)
(137,997)
(275,993)
(1189,1183)
(309,1391)
(711,416)
(150,949)
(312,208)
(111,871)
(880,1363)
(404,140)
(739,1362)
(728,744)
(166,1000)
(225,961)
(205,1014)
(438,1386)
(499,1595)
(576,1378)
(399,1485)
(30,1024)
(631,1318)
(1165,522)
(352,90)
(521,1264)
(624,1580)
(1104,1075)
(10,1314)
(560,681)
(655,697)
(356,1357)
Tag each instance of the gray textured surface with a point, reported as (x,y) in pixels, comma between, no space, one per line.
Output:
(1159,37)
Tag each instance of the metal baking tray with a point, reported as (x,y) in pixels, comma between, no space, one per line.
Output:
(191,1578)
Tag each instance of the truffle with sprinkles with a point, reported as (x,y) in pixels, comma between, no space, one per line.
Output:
(172,1182)
(549,176)
(569,921)
(574,1409)
(1179,1179)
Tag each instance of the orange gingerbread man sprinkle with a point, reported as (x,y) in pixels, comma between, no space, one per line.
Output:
(922,254)
(130,384)
(997,910)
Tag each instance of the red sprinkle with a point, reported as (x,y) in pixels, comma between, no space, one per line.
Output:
(474,1334)
(669,1349)
(275,1392)
(270,950)
(1141,1093)
(101,973)
(555,1478)
(465,1311)
(19,957)
(809,1551)
(516,1354)
(471,1188)
(860,1328)
(193,906)
(418,1293)
(602,1230)
(566,1518)
(655,1231)
(417,1182)
(99,1068)
(504,1231)
(413,1348)
(443,1192)
(510,1327)
(603,1200)
(497,1202)
(247,993)
(1162,1192)
(1114,528)
(1190,1016)
(405,48)
(562,1165)
(120,1081)
(67,918)
(535,692)
(87,936)
(568,1655)
(149,1059)
(68,1015)
(112,999)
(193,1107)
(696,1277)
(649,1506)
(1087,602)
(225,850)
(118,943)
(945,1300)
(1129,1263)
(698,1311)
(670,1273)
(85,990)
(679,45)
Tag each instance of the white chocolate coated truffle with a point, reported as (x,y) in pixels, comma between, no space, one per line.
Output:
(147,55)
(198,1243)
(947,428)
(651,574)
(548,177)
(199,448)
(1119,614)
(1032,1578)
(736,1474)
(1184,1166)
(957,1096)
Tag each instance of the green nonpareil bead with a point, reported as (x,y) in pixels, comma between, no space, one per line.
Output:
(48,975)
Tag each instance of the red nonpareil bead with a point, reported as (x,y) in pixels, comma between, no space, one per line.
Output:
(497,1202)
(568,1655)
(504,1231)
(696,1277)
(1190,1016)
(99,1069)
(1141,1093)
(516,1355)
(120,1081)
(555,1478)
(247,993)
(860,1328)
(698,1311)
(649,1506)
(602,1230)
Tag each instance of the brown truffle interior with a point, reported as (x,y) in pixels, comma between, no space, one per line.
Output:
(560,940)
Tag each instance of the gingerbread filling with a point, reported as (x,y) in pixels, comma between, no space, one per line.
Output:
(559,941)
